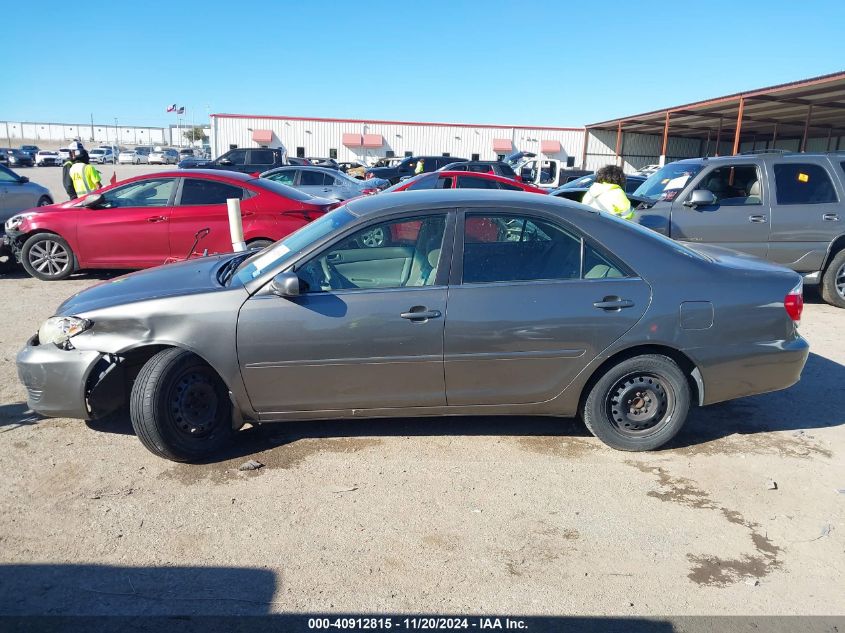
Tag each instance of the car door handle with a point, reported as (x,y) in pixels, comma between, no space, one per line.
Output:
(613,304)
(831,217)
(158,218)
(757,219)
(420,313)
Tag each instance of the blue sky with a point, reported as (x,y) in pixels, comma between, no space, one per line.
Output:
(552,63)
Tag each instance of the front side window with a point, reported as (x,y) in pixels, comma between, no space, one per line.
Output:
(501,247)
(733,185)
(395,254)
(286,177)
(7,176)
(803,183)
(144,193)
(201,192)
(236,157)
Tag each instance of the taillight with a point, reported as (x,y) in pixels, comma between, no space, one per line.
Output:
(793,303)
(370,191)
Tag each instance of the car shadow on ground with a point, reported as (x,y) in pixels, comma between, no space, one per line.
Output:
(83,275)
(810,404)
(17,414)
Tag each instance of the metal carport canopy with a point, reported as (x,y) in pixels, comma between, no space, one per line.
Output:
(810,108)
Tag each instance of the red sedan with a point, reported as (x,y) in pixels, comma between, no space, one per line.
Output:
(462,180)
(156,219)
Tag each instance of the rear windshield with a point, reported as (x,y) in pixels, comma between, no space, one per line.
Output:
(668,182)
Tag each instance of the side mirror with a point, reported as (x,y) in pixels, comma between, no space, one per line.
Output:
(700,198)
(23,179)
(225,161)
(285,285)
(92,200)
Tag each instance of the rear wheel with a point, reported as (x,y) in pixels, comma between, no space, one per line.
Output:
(43,201)
(374,238)
(833,281)
(259,244)
(180,408)
(48,257)
(639,404)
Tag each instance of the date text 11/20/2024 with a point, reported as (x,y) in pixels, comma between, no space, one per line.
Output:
(416,623)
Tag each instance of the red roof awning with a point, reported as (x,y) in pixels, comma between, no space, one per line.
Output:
(352,140)
(262,137)
(502,145)
(550,147)
(373,140)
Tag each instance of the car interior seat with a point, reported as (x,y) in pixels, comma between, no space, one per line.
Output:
(753,190)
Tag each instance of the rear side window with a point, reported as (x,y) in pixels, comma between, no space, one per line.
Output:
(261,157)
(427,182)
(508,187)
(803,183)
(471,182)
(518,248)
(312,178)
(196,192)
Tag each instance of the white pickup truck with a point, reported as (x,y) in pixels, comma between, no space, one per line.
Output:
(546,173)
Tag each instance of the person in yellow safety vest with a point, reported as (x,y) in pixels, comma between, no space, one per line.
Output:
(84,177)
(420,167)
(607,193)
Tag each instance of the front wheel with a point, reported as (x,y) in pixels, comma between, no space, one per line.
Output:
(639,404)
(374,238)
(833,281)
(180,408)
(48,257)
(44,201)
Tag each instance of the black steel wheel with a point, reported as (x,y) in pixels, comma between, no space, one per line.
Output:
(48,257)
(43,201)
(180,408)
(833,281)
(639,404)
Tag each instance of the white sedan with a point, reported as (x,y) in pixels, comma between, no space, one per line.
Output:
(132,157)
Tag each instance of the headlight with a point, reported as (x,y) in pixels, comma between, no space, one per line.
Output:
(14,223)
(59,329)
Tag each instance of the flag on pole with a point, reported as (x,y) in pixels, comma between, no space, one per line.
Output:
(171,108)
(113,178)
(181,110)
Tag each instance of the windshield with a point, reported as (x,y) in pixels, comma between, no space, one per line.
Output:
(98,151)
(283,250)
(667,182)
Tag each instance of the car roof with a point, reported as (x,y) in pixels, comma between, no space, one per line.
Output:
(208,173)
(764,156)
(389,203)
(475,174)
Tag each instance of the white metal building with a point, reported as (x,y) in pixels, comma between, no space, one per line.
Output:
(363,140)
(14,133)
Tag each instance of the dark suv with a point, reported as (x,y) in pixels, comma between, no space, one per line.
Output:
(249,160)
(407,167)
(787,208)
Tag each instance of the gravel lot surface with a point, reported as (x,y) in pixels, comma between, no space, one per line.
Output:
(509,516)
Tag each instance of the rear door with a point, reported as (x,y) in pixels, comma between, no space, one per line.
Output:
(202,205)
(315,182)
(807,212)
(740,218)
(260,160)
(130,229)
(523,319)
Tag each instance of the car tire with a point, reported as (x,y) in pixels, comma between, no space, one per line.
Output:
(833,281)
(374,238)
(43,201)
(638,404)
(180,408)
(48,257)
(259,243)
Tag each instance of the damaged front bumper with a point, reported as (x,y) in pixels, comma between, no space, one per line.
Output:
(59,381)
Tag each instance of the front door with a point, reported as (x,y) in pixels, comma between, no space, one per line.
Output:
(129,229)
(366,333)
(740,218)
(523,319)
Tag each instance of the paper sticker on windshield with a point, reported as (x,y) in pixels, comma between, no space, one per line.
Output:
(803,177)
(265,261)
(677,183)
(664,181)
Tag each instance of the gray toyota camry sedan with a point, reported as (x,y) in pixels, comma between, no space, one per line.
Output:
(476,303)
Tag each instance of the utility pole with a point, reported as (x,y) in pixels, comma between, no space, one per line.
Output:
(92,128)
(116,133)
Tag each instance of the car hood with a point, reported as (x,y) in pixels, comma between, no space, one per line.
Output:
(184,278)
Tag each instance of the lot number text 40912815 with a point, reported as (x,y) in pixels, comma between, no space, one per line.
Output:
(429,623)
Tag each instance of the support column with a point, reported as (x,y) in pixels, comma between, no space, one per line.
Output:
(806,128)
(718,136)
(618,141)
(707,147)
(665,140)
(829,134)
(584,155)
(738,131)
(775,135)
